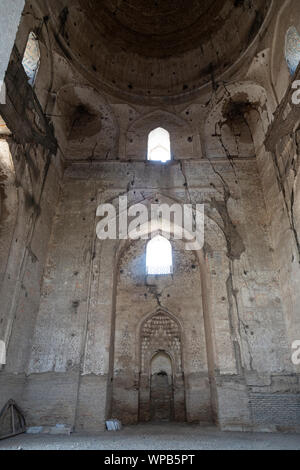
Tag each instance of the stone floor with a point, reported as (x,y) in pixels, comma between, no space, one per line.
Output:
(156,437)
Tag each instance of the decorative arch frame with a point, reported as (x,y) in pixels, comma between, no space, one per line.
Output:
(117,249)
(248,92)
(217,336)
(144,374)
(166,146)
(148,317)
(180,130)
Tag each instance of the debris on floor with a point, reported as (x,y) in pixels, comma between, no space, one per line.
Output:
(59,429)
(113,425)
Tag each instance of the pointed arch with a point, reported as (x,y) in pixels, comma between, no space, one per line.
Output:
(243,98)
(166,362)
(159,145)
(181,135)
(292,49)
(159,259)
(160,334)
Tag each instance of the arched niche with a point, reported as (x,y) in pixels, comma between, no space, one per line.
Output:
(85,124)
(161,378)
(123,379)
(161,363)
(115,261)
(238,121)
(181,135)
(135,294)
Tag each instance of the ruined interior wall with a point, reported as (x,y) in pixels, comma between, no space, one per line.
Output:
(282,196)
(65,302)
(75,326)
(20,289)
(252,296)
(284,200)
(61,325)
(252,105)
(9,204)
(276,144)
(29,142)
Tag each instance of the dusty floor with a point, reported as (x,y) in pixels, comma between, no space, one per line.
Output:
(157,437)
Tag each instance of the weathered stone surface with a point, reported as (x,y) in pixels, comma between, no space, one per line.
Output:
(89,335)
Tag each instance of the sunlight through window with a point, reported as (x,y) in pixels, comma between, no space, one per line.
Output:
(159,145)
(31,59)
(292,49)
(2,353)
(159,258)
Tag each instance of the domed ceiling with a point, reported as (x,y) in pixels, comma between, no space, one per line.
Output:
(147,50)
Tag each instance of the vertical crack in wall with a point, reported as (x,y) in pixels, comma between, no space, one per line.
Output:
(235,244)
(235,248)
(231,300)
(234,241)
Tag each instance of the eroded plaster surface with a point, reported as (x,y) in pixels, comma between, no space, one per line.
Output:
(90,336)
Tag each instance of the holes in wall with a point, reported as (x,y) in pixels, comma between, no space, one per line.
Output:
(159,145)
(292,49)
(31,58)
(159,259)
(84,123)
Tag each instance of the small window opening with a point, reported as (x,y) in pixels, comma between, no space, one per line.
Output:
(31,58)
(159,259)
(292,49)
(2,353)
(159,145)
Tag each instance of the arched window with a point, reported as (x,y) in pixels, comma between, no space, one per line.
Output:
(159,259)
(292,49)
(159,145)
(31,58)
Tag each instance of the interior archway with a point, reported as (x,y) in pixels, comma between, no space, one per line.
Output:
(126,356)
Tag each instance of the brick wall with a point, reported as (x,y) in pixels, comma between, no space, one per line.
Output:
(279,410)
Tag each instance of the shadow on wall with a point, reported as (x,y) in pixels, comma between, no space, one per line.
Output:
(85,124)
(238,121)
